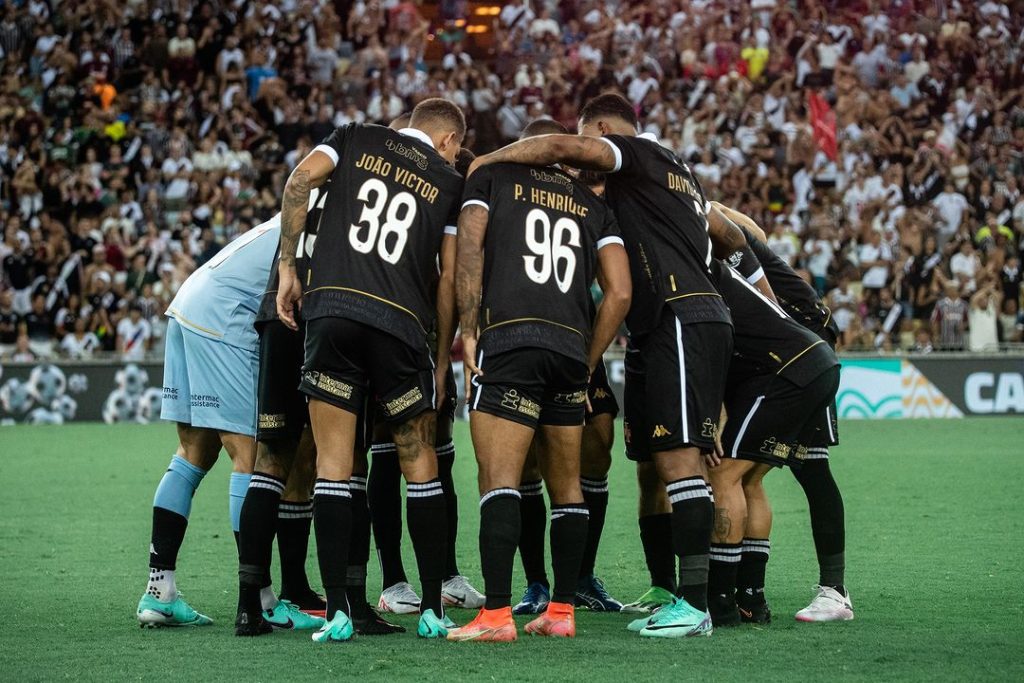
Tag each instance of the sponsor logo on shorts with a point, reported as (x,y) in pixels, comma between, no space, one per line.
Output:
(660,430)
(328,384)
(409,398)
(709,429)
(205,401)
(801,453)
(574,398)
(775,449)
(599,393)
(267,421)
(170,394)
(511,400)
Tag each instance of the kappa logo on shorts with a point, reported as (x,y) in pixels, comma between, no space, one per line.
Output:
(709,429)
(599,393)
(660,430)
(268,421)
(775,449)
(409,398)
(328,384)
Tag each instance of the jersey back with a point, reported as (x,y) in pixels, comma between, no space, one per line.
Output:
(220,300)
(392,199)
(540,255)
(268,305)
(662,212)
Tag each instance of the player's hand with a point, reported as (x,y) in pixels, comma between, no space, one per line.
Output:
(469,367)
(441,383)
(590,408)
(289,295)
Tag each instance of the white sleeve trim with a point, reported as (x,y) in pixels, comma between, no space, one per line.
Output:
(756,276)
(707,206)
(475,202)
(610,239)
(451,230)
(329,151)
(618,155)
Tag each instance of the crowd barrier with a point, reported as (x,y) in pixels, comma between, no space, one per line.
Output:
(872,387)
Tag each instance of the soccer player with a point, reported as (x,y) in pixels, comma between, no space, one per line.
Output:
(210,375)
(367,306)
(278,499)
(530,243)
(824,500)
(595,462)
(678,320)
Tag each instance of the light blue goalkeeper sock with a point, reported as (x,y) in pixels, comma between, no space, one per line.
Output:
(236,492)
(177,486)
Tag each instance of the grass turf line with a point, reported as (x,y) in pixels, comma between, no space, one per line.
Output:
(934,558)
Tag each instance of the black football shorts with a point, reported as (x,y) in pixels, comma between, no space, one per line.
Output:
(771,420)
(349,364)
(675,383)
(531,386)
(602,398)
(282,411)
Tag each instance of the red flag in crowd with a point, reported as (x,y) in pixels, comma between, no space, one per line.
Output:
(823,122)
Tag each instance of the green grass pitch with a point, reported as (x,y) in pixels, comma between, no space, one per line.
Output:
(935,554)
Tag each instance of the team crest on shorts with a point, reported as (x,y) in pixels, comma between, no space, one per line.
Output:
(775,449)
(709,429)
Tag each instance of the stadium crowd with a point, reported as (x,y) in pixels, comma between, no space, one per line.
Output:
(879,143)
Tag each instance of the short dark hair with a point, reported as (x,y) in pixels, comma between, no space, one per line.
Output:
(609,105)
(463,160)
(435,112)
(543,127)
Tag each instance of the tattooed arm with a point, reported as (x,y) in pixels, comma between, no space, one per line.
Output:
(445,314)
(312,172)
(578,151)
(469,278)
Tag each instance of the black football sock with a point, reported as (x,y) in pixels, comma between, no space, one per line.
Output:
(828,523)
(533,514)
(750,576)
(656,538)
(294,520)
(332,516)
(499,534)
(166,539)
(359,546)
(723,568)
(258,524)
(568,542)
(595,495)
(445,463)
(692,519)
(384,491)
(425,511)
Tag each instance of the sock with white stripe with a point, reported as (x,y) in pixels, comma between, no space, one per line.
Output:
(656,538)
(828,520)
(359,547)
(445,463)
(384,493)
(750,576)
(568,543)
(294,519)
(724,566)
(533,516)
(595,495)
(499,535)
(332,518)
(428,528)
(692,519)
(256,535)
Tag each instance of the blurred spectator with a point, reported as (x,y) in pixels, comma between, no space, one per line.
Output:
(133,335)
(983,318)
(949,320)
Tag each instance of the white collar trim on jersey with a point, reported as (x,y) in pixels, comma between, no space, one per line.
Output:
(418,134)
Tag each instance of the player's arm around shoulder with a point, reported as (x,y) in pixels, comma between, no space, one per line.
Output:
(579,151)
(727,239)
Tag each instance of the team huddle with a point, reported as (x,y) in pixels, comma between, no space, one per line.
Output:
(315,350)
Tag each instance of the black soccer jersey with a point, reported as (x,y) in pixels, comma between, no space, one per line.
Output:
(795,296)
(392,198)
(268,305)
(540,255)
(661,210)
(765,339)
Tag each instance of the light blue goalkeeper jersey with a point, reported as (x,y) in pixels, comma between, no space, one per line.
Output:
(220,299)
